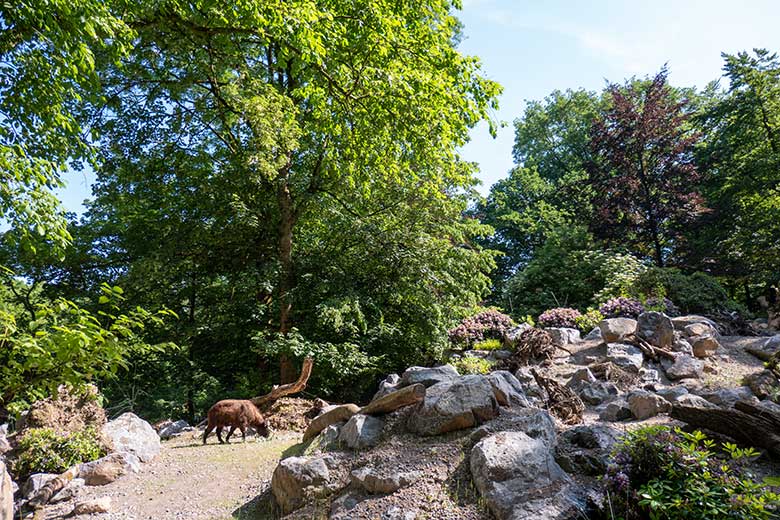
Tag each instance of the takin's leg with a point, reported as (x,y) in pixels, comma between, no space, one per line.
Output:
(243,433)
(219,434)
(230,432)
(206,433)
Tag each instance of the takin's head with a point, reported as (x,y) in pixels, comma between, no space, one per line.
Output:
(259,423)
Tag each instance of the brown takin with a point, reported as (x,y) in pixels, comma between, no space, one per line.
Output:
(236,413)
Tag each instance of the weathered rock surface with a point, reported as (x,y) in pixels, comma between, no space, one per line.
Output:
(361,431)
(92,506)
(700,329)
(448,406)
(331,415)
(507,389)
(614,330)
(536,423)
(704,346)
(726,397)
(396,513)
(693,400)
(762,384)
(376,482)
(672,393)
(625,356)
(598,392)
(644,404)
(583,375)
(616,411)
(109,468)
(656,328)
(563,336)
(5,446)
(173,429)
(390,384)
(296,479)
(130,433)
(593,335)
(685,367)
(429,376)
(681,322)
(6,494)
(519,479)
(586,449)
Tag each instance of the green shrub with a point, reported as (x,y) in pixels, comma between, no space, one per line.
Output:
(589,321)
(471,365)
(42,450)
(488,344)
(691,293)
(660,473)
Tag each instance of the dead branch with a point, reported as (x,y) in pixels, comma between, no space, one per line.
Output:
(561,401)
(339,413)
(289,388)
(52,487)
(395,400)
(649,350)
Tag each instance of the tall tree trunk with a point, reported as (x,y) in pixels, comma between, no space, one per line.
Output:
(286,224)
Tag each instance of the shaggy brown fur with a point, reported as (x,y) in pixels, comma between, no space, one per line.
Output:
(236,413)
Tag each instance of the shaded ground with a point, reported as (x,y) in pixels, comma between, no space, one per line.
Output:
(191,481)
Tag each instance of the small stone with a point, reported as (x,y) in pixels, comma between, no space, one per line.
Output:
(361,431)
(644,404)
(704,346)
(598,392)
(672,393)
(583,375)
(616,411)
(656,328)
(92,506)
(625,356)
(685,367)
(614,330)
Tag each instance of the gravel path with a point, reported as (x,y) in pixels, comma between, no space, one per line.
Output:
(191,481)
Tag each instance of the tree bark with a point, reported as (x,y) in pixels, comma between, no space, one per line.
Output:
(286,224)
(393,401)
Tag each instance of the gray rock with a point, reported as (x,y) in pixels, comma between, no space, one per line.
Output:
(72,490)
(704,346)
(593,335)
(396,513)
(649,376)
(616,411)
(682,346)
(296,479)
(726,397)
(377,482)
(456,405)
(772,345)
(361,431)
(428,376)
(583,375)
(694,400)
(656,328)
(92,506)
(625,356)
(499,355)
(341,506)
(700,329)
(511,336)
(389,385)
(762,384)
(598,392)
(531,388)
(586,449)
(685,367)
(507,389)
(672,393)
(681,322)
(519,479)
(563,336)
(644,404)
(109,468)
(130,433)
(174,428)
(769,406)
(614,330)
(5,446)
(6,494)
(536,423)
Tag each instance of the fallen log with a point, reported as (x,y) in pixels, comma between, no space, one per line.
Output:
(52,487)
(289,388)
(338,414)
(745,423)
(393,401)
(649,350)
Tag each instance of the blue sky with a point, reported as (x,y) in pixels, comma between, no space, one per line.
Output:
(535,47)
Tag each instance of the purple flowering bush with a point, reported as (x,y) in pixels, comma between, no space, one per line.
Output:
(489,324)
(622,307)
(559,317)
(664,305)
(658,472)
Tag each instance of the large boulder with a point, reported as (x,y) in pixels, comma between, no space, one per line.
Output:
(656,328)
(6,494)
(616,411)
(448,406)
(536,423)
(625,356)
(681,322)
(704,346)
(361,431)
(598,392)
(519,479)
(563,336)
(296,479)
(130,433)
(586,449)
(685,367)
(644,404)
(5,446)
(615,330)
(726,397)
(428,376)
(507,389)
(376,482)
(109,468)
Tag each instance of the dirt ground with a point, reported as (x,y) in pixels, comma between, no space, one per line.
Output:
(191,481)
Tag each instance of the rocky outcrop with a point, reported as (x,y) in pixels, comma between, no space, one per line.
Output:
(429,376)
(519,479)
(129,433)
(585,450)
(615,330)
(656,328)
(296,479)
(448,406)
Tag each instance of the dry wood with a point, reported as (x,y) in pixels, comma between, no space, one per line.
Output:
(52,487)
(289,388)
(339,413)
(649,350)
(395,400)
(561,401)
(745,423)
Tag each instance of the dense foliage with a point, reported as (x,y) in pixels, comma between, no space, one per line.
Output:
(488,324)
(42,450)
(658,473)
(559,317)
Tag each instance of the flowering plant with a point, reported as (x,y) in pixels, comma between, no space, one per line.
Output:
(622,307)
(489,324)
(559,317)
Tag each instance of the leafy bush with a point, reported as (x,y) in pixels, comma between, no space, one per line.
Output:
(589,321)
(489,324)
(488,344)
(664,305)
(42,450)
(559,317)
(693,293)
(471,365)
(622,308)
(618,272)
(659,473)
